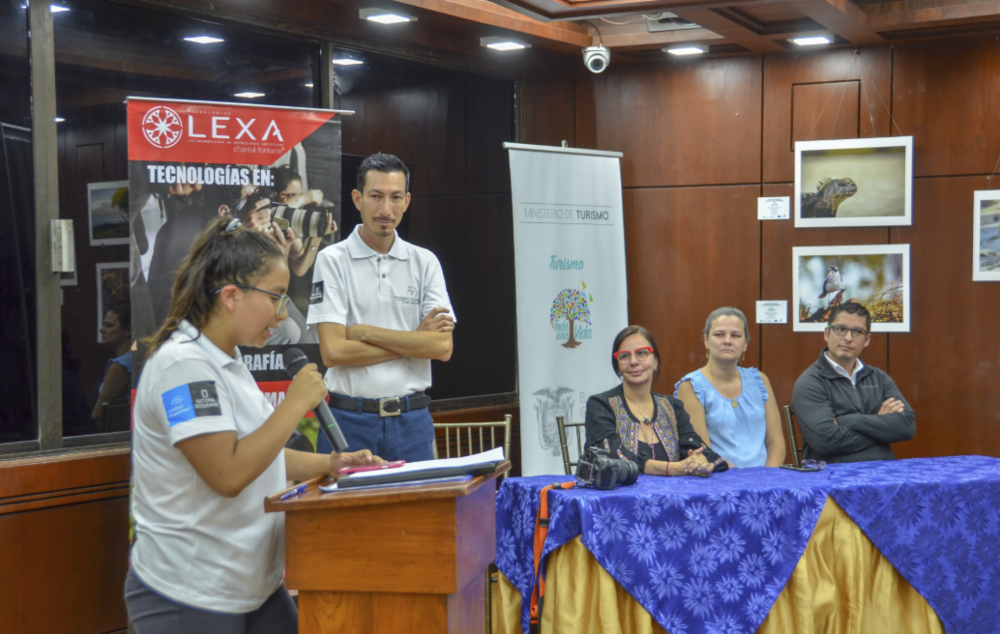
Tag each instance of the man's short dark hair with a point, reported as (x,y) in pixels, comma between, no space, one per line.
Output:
(851,308)
(385,163)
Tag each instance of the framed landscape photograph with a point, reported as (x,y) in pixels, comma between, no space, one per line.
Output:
(876,276)
(986,236)
(854,182)
(112,288)
(107,204)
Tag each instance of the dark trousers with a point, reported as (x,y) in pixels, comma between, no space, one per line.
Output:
(409,436)
(152,613)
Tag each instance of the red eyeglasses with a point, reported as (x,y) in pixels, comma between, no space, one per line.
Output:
(641,354)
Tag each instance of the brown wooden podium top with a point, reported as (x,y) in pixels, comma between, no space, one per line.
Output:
(312,498)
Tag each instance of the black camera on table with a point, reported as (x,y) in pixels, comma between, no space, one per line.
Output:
(308,221)
(598,470)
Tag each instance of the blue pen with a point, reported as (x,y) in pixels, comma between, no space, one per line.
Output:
(293,492)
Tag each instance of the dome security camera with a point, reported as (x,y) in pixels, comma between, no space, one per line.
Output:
(596,58)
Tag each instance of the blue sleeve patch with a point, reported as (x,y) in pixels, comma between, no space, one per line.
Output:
(185,402)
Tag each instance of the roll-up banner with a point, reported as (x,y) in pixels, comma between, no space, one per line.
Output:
(275,168)
(569,263)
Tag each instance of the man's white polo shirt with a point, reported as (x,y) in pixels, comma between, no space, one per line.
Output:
(193,545)
(352,284)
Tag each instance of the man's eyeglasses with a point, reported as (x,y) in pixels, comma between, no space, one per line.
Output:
(282,299)
(841,331)
(641,354)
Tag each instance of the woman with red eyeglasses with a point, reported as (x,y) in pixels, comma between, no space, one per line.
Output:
(636,424)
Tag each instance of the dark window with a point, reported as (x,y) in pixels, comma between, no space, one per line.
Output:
(18,297)
(449,126)
(105,52)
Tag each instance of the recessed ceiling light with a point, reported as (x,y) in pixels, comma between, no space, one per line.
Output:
(59,119)
(687,49)
(308,85)
(347,62)
(249,95)
(203,39)
(811,41)
(55,8)
(502,44)
(384,17)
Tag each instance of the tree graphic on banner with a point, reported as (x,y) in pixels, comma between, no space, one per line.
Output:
(571,305)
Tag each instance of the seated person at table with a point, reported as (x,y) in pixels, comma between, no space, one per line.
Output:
(634,423)
(849,411)
(732,408)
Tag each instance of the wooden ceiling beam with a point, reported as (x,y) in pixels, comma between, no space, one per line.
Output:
(644,39)
(730,31)
(485,12)
(841,17)
(897,16)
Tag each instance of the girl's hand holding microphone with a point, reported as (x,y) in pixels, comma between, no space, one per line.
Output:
(305,393)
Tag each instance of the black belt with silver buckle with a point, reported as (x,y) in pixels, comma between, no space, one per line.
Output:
(390,406)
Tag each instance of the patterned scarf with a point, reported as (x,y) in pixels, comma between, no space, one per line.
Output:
(664,426)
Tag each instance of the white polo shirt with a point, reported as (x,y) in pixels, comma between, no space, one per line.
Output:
(353,284)
(193,545)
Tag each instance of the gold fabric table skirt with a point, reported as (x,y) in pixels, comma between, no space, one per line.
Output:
(842,584)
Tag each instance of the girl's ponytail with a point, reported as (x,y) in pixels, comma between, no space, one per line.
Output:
(224,253)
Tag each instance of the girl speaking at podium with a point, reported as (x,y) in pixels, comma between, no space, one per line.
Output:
(208,447)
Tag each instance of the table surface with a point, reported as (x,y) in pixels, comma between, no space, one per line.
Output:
(712,555)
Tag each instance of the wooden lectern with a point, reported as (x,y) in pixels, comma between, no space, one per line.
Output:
(397,559)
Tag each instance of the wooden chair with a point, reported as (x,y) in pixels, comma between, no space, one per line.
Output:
(476,439)
(476,443)
(116,415)
(791,424)
(569,465)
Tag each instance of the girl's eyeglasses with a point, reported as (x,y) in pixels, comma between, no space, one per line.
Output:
(282,299)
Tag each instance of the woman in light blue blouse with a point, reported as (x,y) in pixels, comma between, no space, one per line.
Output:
(732,408)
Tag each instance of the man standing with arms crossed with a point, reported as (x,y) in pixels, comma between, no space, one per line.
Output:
(383,313)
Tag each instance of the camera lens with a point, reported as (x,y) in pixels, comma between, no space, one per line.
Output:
(628,472)
(308,221)
(597,64)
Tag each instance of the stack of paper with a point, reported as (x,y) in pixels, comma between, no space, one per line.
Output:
(422,472)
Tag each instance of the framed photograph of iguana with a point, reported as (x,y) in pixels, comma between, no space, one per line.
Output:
(986,236)
(877,276)
(854,182)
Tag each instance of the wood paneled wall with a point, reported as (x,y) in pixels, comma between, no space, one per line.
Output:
(704,138)
(64,536)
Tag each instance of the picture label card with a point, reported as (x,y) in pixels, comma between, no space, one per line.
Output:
(773,208)
(772,311)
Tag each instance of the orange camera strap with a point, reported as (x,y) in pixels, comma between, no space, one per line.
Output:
(541,532)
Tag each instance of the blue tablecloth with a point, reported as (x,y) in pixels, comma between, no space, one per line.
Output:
(712,555)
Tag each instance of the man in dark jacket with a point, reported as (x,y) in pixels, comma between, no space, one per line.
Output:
(849,411)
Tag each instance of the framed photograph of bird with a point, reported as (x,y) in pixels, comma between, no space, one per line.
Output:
(986,236)
(877,276)
(854,182)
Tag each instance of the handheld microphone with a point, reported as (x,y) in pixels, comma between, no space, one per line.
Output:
(295,360)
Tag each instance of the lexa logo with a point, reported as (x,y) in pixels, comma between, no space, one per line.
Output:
(162,127)
(222,127)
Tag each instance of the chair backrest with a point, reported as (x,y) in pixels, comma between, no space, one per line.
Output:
(116,416)
(476,437)
(568,464)
(793,437)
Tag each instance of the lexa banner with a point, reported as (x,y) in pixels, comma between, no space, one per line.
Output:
(569,262)
(277,169)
